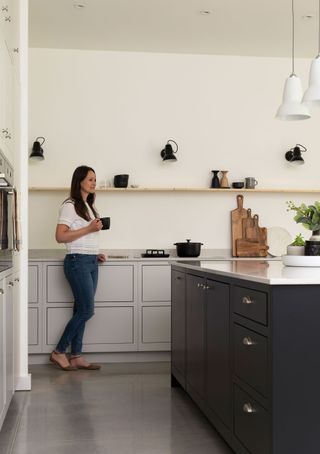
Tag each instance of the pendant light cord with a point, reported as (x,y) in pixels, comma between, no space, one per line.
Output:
(292,10)
(319,30)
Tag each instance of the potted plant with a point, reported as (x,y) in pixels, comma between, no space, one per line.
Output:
(309,217)
(297,246)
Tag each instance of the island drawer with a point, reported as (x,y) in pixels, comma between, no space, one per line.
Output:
(251,358)
(251,304)
(251,423)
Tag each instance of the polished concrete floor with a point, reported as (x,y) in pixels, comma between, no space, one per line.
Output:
(121,409)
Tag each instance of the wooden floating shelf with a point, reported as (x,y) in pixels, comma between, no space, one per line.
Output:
(141,189)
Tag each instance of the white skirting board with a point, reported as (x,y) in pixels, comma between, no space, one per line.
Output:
(23,383)
(114,357)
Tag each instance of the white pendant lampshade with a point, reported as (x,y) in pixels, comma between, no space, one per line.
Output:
(312,94)
(291,107)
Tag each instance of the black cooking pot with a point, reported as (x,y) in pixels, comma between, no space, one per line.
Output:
(188,249)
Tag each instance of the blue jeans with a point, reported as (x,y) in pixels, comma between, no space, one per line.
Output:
(81,271)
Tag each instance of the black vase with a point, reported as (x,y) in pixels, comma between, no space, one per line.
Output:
(215,180)
(313,245)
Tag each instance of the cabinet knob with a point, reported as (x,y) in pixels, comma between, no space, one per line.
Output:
(199,285)
(247,300)
(7,19)
(16,49)
(17,279)
(10,284)
(1,291)
(5,8)
(248,408)
(248,341)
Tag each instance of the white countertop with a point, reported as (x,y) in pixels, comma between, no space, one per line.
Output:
(125,255)
(264,271)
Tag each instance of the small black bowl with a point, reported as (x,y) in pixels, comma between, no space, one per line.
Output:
(238,185)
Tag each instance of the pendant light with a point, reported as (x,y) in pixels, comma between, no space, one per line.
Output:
(291,107)
(312,94)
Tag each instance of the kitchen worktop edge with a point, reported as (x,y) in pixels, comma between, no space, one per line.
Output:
(129,255)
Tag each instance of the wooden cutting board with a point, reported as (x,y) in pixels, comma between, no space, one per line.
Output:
(237,216)
(247,248)
(253,242)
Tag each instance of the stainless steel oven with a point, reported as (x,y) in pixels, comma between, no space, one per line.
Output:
(7,213)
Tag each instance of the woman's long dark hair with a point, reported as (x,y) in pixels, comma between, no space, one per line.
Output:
(75,193)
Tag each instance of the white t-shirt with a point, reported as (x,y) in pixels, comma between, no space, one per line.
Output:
(87,244)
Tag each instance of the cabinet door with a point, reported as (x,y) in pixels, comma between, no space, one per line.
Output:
(156,324)
(110,326)
(218,380)
(33,331)
(115,284)
(178,323)
(156,281)
(195,334)
(2,352)
(33,284)
(9,339)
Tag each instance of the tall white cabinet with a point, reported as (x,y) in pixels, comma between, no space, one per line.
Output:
(10,90)
(9,77)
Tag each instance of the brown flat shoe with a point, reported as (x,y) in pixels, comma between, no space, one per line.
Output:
(66,368)
(90,367)
(87,366)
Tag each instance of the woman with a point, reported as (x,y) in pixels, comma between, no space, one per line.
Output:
(78,228)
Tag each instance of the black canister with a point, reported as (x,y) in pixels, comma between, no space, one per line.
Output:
(312,247)
(121,181)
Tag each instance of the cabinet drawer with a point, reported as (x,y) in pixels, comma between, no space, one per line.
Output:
(156,283)
(251,423)
(251,304)
(251,358)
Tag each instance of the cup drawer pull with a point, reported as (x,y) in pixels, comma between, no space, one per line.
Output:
(248,408)
(247,300)
(248,341)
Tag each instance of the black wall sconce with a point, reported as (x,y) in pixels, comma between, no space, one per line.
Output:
(168,153)
(37,150)
(294,155)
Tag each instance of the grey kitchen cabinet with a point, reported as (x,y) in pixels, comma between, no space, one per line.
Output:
(132,309)
(113,327)
(259,346)
(35,307)
(154,306)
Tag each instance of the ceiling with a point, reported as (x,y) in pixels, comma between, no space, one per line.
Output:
(227,27)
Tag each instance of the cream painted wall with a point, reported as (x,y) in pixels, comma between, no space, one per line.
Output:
(115,111)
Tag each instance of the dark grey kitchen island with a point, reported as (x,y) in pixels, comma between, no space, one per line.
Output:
(246,348)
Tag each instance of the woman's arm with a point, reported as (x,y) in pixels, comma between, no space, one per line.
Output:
(65,235)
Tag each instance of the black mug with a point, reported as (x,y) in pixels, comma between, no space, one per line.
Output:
(105,223)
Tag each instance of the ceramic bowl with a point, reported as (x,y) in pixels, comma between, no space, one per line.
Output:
(238,185)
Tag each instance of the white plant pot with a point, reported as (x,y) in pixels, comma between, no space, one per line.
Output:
(295,250)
